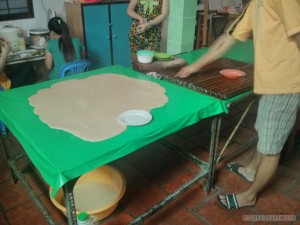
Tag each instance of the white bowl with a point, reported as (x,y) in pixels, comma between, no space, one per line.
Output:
(145,56)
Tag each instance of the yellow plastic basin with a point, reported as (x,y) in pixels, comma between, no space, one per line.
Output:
(96,192)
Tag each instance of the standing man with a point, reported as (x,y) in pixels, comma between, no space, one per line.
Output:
(275,28)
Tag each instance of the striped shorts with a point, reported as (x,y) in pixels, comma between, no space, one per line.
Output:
(275,119)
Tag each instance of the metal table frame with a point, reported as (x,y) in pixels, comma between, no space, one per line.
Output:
(207,171)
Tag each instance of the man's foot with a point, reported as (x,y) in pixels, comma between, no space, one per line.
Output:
(240,170)
(233,201)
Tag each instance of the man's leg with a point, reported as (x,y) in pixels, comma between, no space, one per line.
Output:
(249,170)
(265,171)
(252,167)
(275,119)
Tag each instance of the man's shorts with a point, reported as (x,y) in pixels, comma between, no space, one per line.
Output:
(275,119)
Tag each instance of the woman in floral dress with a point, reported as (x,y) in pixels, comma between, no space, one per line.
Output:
(147,16)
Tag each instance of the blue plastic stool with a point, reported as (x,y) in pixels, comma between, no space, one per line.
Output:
(75,67)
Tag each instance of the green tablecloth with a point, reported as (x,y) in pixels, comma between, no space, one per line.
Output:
(60,156)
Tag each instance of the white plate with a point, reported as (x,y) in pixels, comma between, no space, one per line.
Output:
(135,117)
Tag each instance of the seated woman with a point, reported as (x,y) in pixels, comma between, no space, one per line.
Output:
(62,48)
(23,75)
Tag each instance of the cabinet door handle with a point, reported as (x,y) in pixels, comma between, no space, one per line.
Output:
(108,37)
(114,36)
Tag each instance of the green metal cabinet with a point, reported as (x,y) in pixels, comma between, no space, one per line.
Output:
(106,27)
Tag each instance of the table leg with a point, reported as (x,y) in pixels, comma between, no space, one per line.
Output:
(215,133)
(7,156)
(207,170)
(69,201)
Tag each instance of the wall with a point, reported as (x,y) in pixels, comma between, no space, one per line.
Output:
(164,36)
(181,26)
(40,12)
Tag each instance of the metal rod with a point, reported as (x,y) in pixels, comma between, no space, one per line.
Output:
(234,131)
(184,154)
(168,199)
(69,201)
(241,149)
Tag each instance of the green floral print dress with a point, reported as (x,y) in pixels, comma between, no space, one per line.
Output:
(150,39)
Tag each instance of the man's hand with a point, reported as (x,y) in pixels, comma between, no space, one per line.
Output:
(186,71)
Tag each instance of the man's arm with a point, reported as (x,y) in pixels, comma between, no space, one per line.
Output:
(216,51)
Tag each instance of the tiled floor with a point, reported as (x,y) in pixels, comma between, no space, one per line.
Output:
(156,170)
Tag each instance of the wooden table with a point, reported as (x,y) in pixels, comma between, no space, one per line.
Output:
(208,80)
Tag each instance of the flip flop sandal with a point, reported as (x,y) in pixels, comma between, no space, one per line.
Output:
(231,202)
(234,167)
